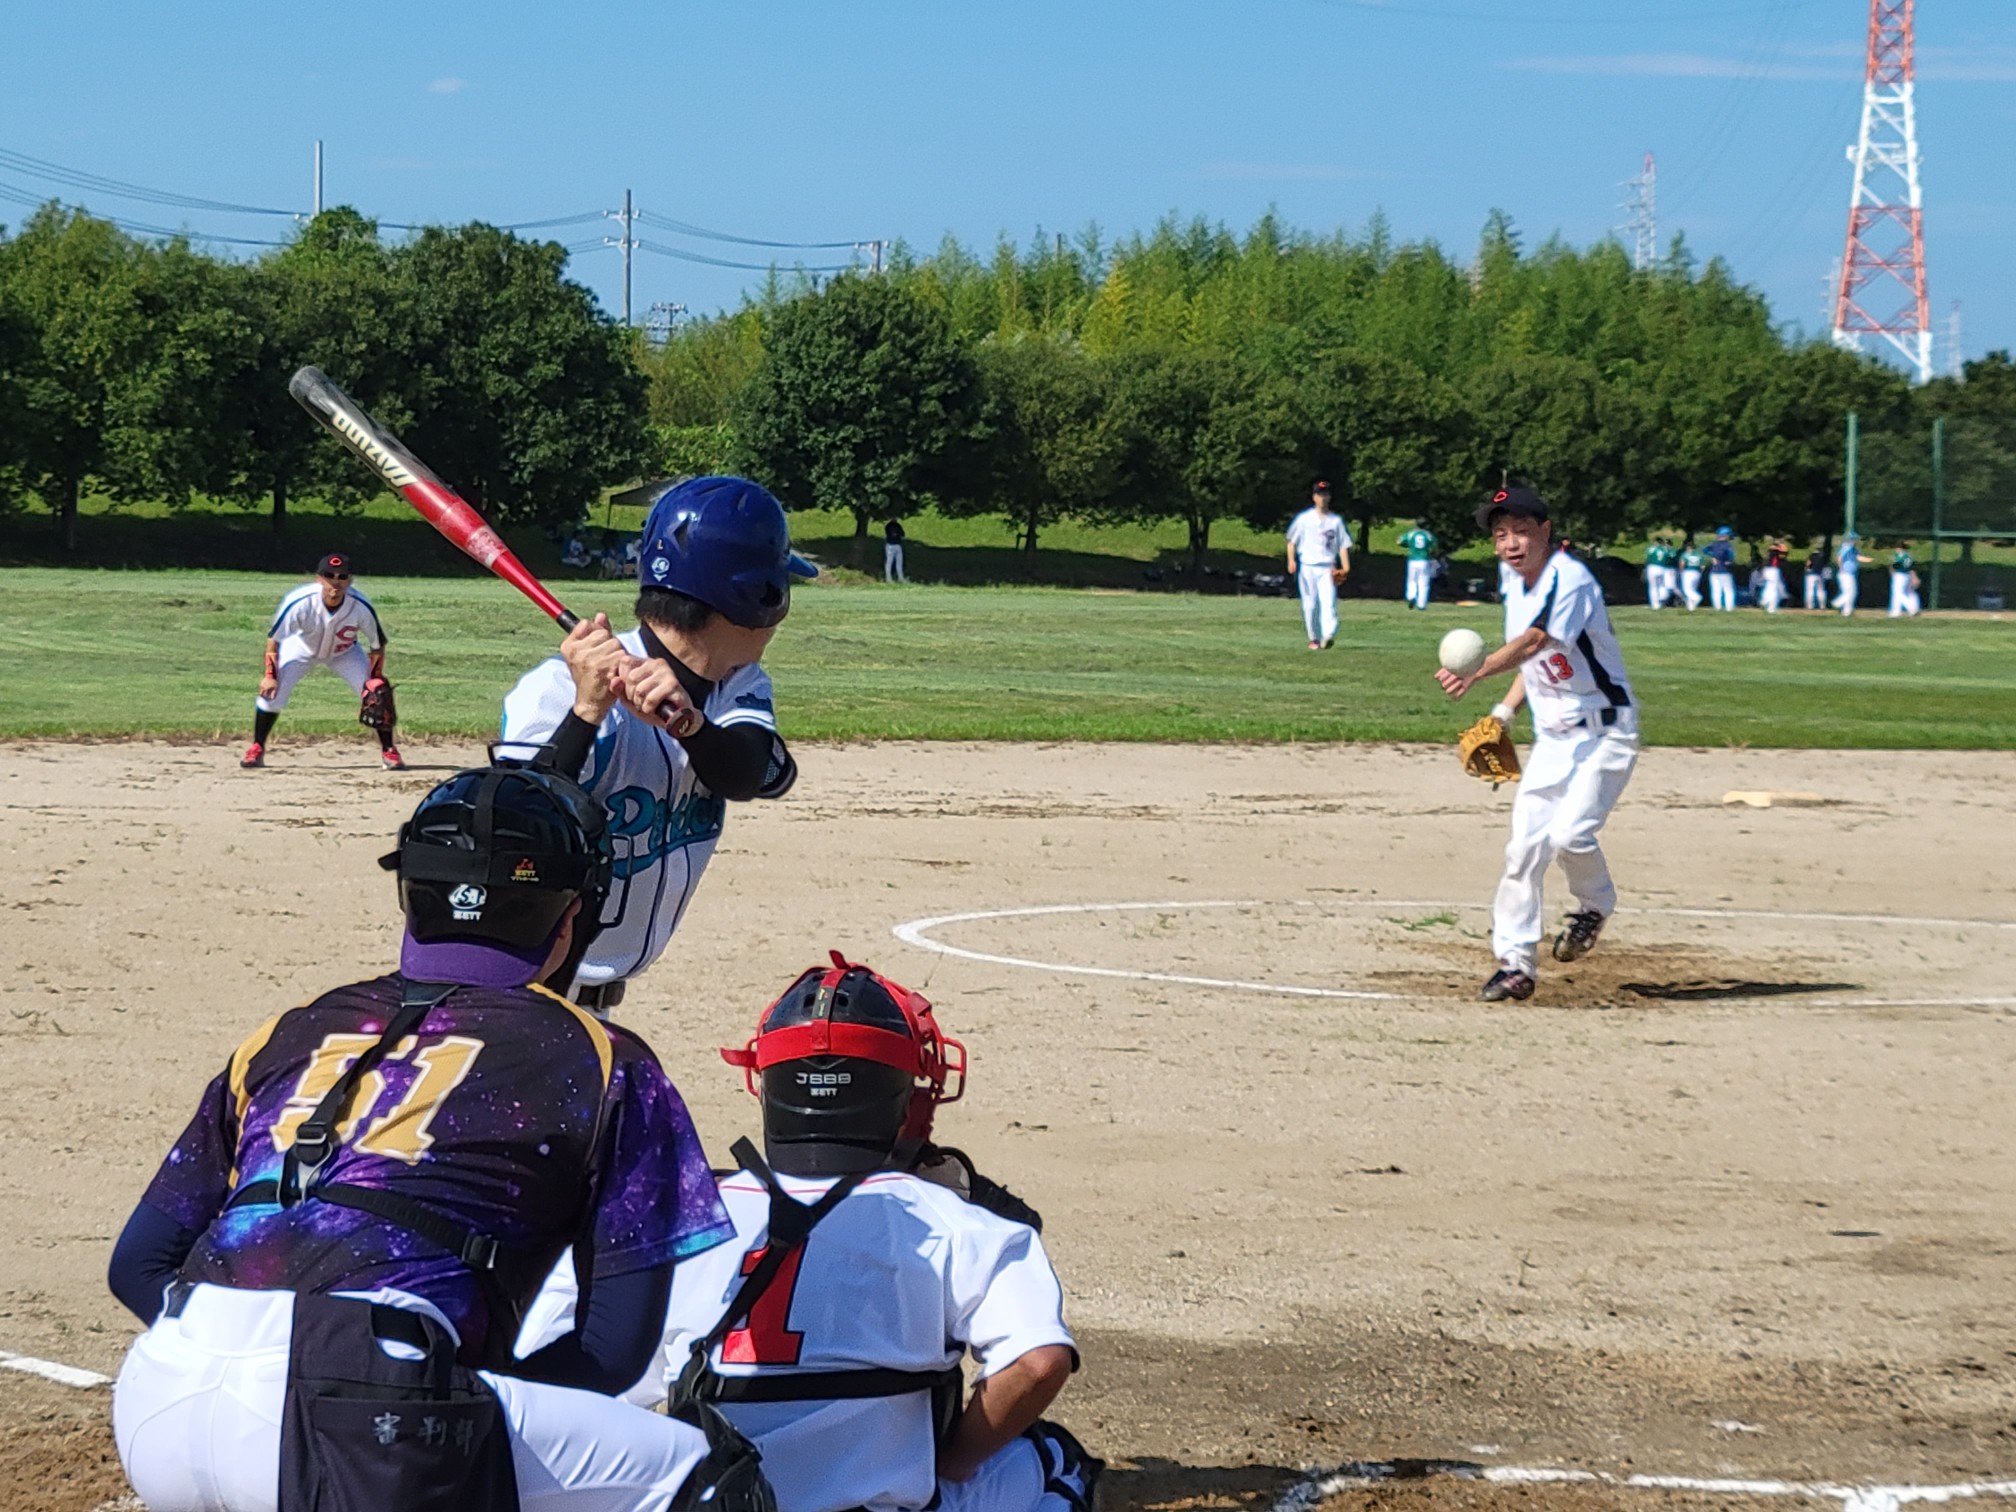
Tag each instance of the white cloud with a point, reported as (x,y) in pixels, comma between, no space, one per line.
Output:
(1306,171)
(449,85)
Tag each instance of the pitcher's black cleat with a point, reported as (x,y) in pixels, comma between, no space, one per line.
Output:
(1578,936)
(1516,985)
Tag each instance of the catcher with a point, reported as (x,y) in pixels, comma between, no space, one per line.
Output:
(866,1263)
(326,623)
(1585,739)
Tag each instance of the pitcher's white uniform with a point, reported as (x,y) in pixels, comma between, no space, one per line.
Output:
(1320,540)
(663,822)
(903,1275)
(1585,743)
(310,632)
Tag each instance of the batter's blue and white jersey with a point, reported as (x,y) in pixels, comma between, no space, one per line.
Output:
(1578,674)
(663,821)
(304,625)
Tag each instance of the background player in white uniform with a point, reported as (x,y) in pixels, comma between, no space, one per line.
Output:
(1419,544)
(1585,738)
(668,723)
(324,623)
(845,1367)
(1903,582)
(1319,551)
(1848,565)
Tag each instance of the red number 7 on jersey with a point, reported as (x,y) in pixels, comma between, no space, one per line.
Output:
(765,1338)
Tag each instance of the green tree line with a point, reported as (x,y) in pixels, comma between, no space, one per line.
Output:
(1185,374)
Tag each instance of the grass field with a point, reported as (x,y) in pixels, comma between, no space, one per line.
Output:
(177,654)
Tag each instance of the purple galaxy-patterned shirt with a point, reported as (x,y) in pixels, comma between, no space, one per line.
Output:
(511,1112)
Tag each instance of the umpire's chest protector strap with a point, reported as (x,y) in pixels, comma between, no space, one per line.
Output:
(364,1430)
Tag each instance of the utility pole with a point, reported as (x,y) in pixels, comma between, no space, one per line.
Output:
(1643,209)
(318,175)
(627,217)
(665,318)
(1882,289)
(874,251)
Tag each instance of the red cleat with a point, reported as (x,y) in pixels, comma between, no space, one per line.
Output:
(255,756)
(394,762)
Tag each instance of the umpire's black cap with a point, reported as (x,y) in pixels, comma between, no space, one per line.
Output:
(1522,502)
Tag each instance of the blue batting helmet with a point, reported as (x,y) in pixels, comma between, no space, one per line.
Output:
(724,542)
(1723,532)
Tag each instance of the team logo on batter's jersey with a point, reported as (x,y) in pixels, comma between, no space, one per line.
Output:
(467,901)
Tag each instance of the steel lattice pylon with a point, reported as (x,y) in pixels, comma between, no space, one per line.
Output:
(1882,288)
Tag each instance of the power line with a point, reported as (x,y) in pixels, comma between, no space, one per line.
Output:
(75,178)
(722,262)
(1520,17)
(686,228)
(35,201)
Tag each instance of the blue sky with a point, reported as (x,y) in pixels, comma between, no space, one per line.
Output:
(797,121)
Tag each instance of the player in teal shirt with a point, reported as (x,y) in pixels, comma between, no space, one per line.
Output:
(1419,544)
(1692,560)
(1903,581)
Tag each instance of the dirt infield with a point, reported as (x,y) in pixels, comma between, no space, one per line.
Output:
(1735,1197)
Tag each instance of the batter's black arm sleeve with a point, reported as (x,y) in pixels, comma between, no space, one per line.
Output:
(620,1326)
(741,761)
(571,744)
(147,1257)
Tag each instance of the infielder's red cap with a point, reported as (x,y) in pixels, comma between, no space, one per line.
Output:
(332,563)
(1522,503)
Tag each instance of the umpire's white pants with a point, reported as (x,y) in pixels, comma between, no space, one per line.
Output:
(1847,588)
(350,664)
(196,1415)
(1722,590)
(1570,783)
(1690,587)
(1774,589)
(1319,602)
(1417,584)
(1903,597)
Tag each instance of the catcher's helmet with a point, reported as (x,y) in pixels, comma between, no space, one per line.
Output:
(852,1067)
(494,855)
(723,541)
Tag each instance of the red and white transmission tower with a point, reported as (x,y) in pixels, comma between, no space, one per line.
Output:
(1882,288)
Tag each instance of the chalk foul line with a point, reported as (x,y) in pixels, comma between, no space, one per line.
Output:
(919,933)
(49,1370)
(1320,1485)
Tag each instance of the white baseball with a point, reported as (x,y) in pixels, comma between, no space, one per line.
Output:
(1462,652)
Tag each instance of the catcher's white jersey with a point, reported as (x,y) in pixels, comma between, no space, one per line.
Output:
(1579,672)
(1319,539)
(305,626)
(663,822)
(903,1275)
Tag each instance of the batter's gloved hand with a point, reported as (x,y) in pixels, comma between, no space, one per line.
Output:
(1486,751)
(377,708)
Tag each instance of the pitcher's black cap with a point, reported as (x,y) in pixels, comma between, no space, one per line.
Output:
(1523,502)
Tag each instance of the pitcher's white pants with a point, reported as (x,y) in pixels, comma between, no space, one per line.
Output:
(1417,584)
(1722,590)
(1569,785)
(1847,588)
(1319,603)
(1690,587)
(196,1415)
(1903,597)
(1774,589)
(1816,591)
(350,664)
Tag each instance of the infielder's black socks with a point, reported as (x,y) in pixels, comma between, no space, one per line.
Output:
(262,725)
(384,740)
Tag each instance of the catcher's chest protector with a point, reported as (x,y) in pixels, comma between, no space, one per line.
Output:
(364,1432)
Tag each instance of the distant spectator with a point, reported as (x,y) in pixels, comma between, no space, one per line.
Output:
(892,552)
(1816,578)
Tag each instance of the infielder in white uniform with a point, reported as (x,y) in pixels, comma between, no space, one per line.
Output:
(843,1364)
(1585,738)
(325,623)
(669,723)
(1319,558)
(1848,565)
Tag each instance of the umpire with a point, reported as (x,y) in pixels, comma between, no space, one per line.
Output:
(334,1257)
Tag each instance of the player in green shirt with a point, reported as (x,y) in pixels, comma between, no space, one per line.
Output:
(1692,560)
(1419,544)
(1903,581)
(1660,583)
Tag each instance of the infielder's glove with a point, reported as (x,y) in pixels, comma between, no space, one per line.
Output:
(1486,751)
(377,710)
(1338,574)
